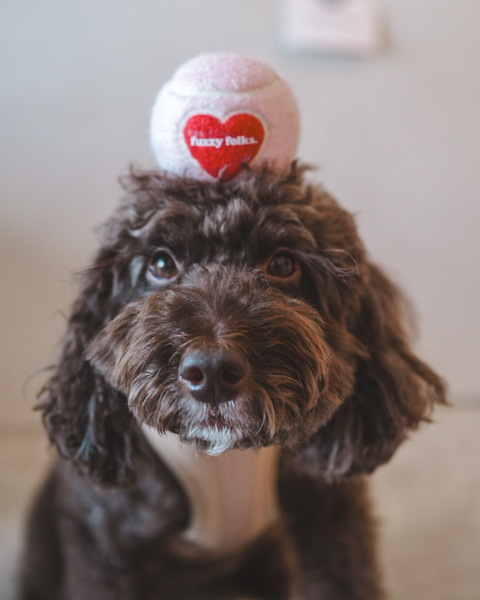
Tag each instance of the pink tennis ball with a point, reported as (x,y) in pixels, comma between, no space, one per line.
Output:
(221,112)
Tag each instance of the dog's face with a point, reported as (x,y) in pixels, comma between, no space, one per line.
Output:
(221,339)
(237,315)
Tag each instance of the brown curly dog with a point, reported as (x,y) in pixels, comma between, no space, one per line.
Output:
(232,367)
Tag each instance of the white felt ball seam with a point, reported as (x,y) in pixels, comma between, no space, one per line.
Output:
(189,92)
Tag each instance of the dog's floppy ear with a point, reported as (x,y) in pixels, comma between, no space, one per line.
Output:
(85,418)
(393,392)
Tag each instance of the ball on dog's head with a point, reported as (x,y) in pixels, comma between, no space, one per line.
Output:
(220,113)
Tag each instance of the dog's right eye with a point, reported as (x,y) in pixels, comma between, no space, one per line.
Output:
(283,268)
(162,266)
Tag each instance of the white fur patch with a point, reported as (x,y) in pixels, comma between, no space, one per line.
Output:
(220,439)
(232,493)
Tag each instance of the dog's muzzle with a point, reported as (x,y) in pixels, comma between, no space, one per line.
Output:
(224,359)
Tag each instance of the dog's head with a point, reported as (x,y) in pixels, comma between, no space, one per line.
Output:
(237,315)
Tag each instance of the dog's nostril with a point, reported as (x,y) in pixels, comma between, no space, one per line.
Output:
(232,375)
(193,375)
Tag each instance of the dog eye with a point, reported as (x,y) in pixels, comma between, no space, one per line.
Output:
(162,266)
(282,266)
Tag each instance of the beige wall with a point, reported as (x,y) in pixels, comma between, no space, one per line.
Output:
(398,139)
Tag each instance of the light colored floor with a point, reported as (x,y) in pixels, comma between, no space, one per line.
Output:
(428,502)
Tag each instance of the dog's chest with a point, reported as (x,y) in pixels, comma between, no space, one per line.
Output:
(233,497)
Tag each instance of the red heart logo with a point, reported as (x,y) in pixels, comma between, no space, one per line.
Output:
(223,148)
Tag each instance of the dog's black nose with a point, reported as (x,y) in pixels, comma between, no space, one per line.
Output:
(213,375)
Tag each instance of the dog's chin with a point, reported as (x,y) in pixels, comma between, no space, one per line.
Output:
(215,435)
(214,438)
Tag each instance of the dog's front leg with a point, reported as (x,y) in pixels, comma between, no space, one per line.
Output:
(333,533)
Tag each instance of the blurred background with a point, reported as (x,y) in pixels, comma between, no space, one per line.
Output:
(397,138)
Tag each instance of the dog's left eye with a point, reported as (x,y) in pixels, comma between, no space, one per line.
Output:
(282,266)
(162,266)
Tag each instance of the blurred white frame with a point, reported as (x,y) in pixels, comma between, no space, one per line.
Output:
(345,27)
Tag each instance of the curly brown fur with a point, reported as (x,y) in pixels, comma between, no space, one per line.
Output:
(331,378)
